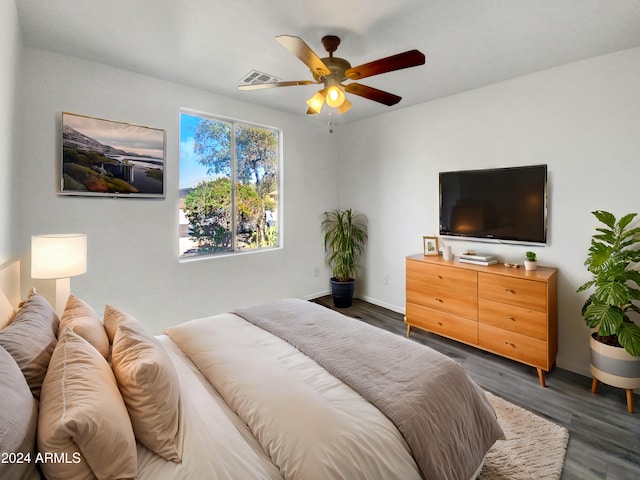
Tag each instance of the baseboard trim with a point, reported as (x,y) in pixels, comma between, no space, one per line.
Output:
(313,296)
(388,306)
(374,301)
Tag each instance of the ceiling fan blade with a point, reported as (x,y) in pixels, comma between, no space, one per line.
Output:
(371,93)
(300,49)
(412,58)
(259,86)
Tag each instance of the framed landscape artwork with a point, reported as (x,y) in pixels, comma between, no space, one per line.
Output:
(111,159)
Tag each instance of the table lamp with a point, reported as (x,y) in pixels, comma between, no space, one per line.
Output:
(59,256)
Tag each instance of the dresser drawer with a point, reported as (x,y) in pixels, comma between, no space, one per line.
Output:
(458,328)
(514,291)
(531,323)
(421,277)
(513,345)
(437,299)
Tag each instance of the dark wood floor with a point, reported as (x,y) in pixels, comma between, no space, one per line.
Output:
(604,439)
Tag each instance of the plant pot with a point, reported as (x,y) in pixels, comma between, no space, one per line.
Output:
(529,265)
(615,367)
(342,293)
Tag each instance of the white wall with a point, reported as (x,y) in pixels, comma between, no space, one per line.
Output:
(10,46)
(582,119)
(133,244)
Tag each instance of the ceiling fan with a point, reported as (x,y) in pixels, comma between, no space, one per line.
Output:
(332,71)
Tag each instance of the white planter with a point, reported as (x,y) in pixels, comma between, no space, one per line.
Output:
(615,367)
(529,265)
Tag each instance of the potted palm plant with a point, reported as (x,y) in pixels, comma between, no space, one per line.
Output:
(615,343)
(345,236)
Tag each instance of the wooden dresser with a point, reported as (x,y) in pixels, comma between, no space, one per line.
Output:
(507,311)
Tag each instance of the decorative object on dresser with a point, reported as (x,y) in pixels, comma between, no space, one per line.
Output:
(447,254)
(615,344)
(531,262)
(430,245)
(507,311)
(345,236)
(478,258)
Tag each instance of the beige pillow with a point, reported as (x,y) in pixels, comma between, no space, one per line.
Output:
(6,310)
(18,418)
(31,338)
(83,320)
(82,416)
(112,319)
(149,385)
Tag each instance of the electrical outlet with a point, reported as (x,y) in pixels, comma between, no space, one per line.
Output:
(385,279)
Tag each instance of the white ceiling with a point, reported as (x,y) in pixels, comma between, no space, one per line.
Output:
(212,44)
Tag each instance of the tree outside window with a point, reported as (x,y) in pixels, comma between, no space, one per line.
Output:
(229,181)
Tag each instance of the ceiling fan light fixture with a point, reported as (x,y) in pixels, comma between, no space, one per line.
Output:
(335,96)
(316,102)
(346,105)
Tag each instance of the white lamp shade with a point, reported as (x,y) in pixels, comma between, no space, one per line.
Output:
(59,255)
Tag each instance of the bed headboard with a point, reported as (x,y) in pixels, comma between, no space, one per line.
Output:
(10,281)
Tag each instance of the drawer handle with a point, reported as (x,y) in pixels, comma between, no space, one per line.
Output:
(511,318)
(508,290)
(439,323)
(438,299)
(439,276)
(509,343)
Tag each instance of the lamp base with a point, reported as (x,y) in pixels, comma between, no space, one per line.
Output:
(63,290)
(56,292)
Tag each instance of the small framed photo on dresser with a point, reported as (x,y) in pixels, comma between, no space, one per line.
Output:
(430,245)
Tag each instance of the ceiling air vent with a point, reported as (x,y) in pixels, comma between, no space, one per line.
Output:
(255,76)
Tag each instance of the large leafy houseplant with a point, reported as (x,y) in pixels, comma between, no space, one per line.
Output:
(611,260)
(345,236)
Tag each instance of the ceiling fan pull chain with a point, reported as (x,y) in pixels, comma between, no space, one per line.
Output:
(330,123)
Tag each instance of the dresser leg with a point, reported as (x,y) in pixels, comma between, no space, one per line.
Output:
(630,400)
(594,385)
(541,377)
(408,329)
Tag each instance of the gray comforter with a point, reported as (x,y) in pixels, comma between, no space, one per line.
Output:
(443,415)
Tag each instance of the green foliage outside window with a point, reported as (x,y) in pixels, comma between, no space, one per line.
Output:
(250,155)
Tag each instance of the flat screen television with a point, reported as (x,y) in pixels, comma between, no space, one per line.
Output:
(502,205)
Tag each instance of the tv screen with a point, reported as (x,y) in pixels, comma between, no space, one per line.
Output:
(501,204)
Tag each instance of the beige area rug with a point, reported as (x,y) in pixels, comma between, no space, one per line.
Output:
(534,448)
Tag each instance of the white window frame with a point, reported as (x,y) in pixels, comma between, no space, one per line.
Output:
(234,122)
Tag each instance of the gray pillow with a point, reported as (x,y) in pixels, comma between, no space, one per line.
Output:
(18,420)
(31,338)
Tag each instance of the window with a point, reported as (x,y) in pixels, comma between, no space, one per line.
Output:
(229,186)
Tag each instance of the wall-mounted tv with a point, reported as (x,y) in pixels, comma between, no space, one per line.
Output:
(507,205)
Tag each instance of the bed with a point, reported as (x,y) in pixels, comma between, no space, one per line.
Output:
(290,390)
